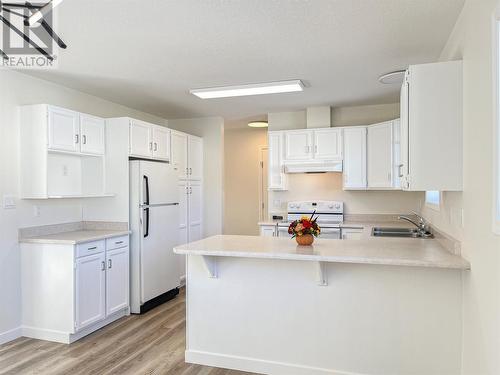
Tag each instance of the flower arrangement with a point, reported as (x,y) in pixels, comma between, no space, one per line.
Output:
(304,230)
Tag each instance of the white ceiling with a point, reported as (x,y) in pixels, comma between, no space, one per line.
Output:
(147,54)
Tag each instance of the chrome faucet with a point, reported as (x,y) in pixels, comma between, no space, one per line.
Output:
(422,225)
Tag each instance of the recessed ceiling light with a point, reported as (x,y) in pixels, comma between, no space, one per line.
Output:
(392,77)
(258,124)
(252,89)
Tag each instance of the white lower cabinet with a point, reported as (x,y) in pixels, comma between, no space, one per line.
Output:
(90,283)
(268,230)
(69,291)
(117,279)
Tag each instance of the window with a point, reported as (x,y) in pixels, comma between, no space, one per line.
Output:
(496,127)
(433,199)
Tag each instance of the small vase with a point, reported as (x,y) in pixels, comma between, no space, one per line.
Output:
(305,240)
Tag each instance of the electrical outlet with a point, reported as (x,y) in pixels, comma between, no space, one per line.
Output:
(9,201)
(277,203)
(65,170)
(36,211)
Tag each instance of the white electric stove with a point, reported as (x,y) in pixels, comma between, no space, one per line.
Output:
(330,215)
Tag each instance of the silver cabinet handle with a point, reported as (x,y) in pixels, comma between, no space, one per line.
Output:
(191,171)
(76,138)
(150,145)
(91,248)
(103,266)
(156,146)
(187,190)
(190,190)
(400,173)
(110,263)
(84,139)
(118,242)
(315,149)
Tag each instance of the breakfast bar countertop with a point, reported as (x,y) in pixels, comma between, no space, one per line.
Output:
(381,251)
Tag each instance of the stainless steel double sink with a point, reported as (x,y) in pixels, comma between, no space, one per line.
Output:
(399,232)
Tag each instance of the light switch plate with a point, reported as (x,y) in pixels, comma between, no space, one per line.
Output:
(9,201)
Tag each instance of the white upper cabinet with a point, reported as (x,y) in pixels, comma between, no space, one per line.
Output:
(61,153)
(179,151)
(328,144)
(149,141)
(92,134)
(431,127)
(298,145)
(318,144)
(380,156)
(195,158)
(355,158)
(63,129)
(141,144)
(161,143)
(277,179)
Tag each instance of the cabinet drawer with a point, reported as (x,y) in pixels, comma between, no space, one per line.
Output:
(89,248)
(116,242)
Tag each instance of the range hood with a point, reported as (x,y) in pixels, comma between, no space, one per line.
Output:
(314,167)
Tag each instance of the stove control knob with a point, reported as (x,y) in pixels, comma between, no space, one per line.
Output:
(337,206)
(330,205)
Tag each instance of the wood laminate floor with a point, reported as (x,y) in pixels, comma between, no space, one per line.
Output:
(152,343)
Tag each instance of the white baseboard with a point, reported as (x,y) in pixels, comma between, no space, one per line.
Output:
(256,365)
(66,337)
(10,335)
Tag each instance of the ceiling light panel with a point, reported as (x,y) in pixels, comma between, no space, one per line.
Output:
(252,89)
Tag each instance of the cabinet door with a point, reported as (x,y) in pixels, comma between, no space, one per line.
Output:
(380,156)
(179,152)
(92,134)
(183,212)
(117,280)
(90,290)
(276,178)
(195,216)
(355,158)
(404,166)
(396,154)
(268,230)
(298,145)
(161,143)
(63,128)
(195,158)
(141,144)
(328,144)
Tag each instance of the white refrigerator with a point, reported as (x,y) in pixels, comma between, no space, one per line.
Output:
(154,222)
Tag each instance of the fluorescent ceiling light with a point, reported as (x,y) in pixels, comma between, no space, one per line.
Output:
(253,89)
(38,15)
(258,124)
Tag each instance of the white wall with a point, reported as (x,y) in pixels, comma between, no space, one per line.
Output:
(328,186)
(19,89)
(364,114)
(471,40)
(242,179)
(212,131)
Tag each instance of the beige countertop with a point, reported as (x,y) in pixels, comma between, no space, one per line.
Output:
(74,237)
(369,250)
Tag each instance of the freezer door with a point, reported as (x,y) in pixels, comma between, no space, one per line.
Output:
(158,183)
(159,266)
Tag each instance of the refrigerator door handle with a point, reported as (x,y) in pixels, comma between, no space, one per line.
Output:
(146,191)
(146,221)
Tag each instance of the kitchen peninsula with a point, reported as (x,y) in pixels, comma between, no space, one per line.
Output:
(358,300)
